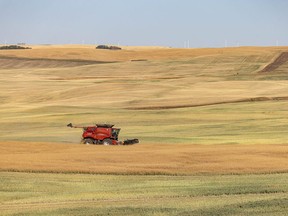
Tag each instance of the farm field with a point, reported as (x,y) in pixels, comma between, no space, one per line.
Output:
(80,194)
(212,125)
(144,159)
(200,96)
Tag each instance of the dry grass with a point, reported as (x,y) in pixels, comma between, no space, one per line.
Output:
(144,159)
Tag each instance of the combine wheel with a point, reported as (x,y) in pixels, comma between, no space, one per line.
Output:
(88,141)
(107,142)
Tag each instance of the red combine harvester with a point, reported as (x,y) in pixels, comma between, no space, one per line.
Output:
(102,134)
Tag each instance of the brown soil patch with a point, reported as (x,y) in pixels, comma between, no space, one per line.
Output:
(182,159)
(280,60)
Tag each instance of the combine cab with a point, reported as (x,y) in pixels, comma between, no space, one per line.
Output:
(102,134)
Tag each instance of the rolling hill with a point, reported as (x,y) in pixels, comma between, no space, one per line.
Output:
(44,88)
(212,125)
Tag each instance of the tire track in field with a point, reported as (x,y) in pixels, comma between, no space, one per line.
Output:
(256,99)
(75,203)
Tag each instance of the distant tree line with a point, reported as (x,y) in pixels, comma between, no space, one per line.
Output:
(13,47)
(108,47)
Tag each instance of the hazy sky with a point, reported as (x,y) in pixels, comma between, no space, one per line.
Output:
(204,23)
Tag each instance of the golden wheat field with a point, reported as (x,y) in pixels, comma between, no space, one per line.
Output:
(173,100)
(185,159)
(212,125)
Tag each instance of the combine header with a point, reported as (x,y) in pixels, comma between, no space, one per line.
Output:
(102,134)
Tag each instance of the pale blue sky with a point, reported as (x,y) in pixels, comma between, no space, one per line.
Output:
(204,23)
